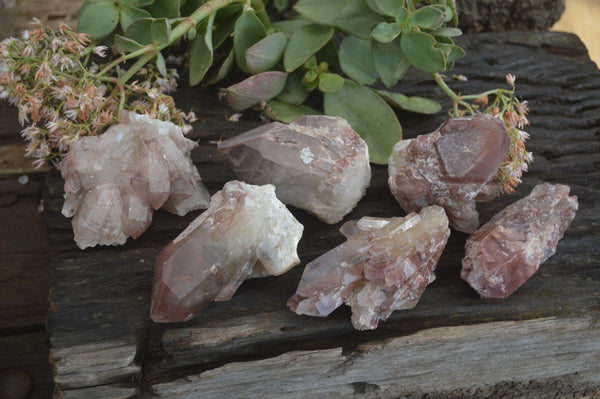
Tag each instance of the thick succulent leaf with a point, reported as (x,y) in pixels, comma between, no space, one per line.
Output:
(136,3)
(140,30)
(287,113)
(125,44)
(453,52)
(223,27)
(248,30)
(160,30)
(256,88)
(223,70)
(413,104)
(305,42)
(330,82)
(201,52)
(324,12)
(389,62)
(290,26)
(420,50)
(447,32)
(295,91)
(385,7)
(385,32)
(267,53)
(429,17)
(98,19)
(369,115)
(165,8)
(130,14)
(357,19)
(356,60)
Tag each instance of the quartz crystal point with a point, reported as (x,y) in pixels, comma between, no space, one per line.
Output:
(507,250)
(384,265)
(246,232)
(449,167)
(317,163)
(114,181)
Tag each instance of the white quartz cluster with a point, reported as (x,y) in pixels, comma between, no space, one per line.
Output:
(113,182)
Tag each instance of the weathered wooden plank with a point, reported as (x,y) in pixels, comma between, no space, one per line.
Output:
(115,391)
(102,295)
(434,360)
(14,162)
(94,363)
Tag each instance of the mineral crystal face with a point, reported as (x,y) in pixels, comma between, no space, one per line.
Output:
(449,167)
(384,265)
(246,232)
(114,181)
(507,250)
(317,163)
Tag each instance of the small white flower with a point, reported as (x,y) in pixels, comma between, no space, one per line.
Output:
(510,79)
(162,108)
(101,51)
(522,135)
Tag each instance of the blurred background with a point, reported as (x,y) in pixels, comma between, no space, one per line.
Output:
(582,17)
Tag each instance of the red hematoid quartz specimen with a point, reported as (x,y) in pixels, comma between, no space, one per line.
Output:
(507,250)
(317,163)
(246,232)
(384,265)
(114,181)
(449,167)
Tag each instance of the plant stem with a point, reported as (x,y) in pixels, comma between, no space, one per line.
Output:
(149,51)
(439,79)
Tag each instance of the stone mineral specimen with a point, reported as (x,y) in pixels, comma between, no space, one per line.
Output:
(317,163)
(114,181)
(246,232)
(449,167)
(507,250)
(384,265)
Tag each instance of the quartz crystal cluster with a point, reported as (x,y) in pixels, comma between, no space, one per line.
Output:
(509,249)
(317,163)
(246,232)
(384,265)
(114,181)
(449,167)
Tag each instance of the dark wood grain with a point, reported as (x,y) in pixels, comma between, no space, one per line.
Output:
(101,297)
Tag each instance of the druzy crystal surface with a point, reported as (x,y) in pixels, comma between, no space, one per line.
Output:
(113,182)
(317,163)
(507,250)
(384,265)
(449,167)
(246,232)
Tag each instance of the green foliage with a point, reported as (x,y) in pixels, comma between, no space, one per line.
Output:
(369,115)
(286,61)
(98,18)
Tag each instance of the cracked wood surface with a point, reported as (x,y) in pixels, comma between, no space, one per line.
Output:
(101,297)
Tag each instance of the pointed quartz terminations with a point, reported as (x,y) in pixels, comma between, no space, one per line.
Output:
(507,250)
(384,265)
(317,163)
(246,232)
(114,181)
(449,167)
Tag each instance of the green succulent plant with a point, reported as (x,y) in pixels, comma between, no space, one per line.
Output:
(338,48)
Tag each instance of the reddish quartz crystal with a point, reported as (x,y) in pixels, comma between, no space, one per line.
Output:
(449,167)
(317,163)
(246,232)
(507,250)
(384,265)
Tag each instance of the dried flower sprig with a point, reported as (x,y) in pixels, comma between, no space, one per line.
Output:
(502,104)
(60,95)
